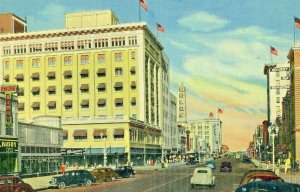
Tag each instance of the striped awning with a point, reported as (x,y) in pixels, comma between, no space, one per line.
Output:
(80,133)
(51,88)
(100,132)
(68,103)
(68,88)
(51,74)
(51,103)
(119,132)
(35,75)
(101,101)
(35,104)
(84,102)
(35,89)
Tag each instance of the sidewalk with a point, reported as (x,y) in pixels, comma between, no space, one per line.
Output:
(41,183)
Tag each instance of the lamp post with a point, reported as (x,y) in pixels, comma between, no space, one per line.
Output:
(104,151)
(273,130)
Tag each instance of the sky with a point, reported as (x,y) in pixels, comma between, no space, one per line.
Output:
(216,48)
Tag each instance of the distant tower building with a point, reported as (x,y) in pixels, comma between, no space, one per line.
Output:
(10,23)
(182,116)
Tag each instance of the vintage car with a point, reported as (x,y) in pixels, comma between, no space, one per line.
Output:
(226,167)
(265,177)
(202,177)
(125,171)
(74,177)
(249,174)
(211,164)
(104,174)
(258,186)
(14,184)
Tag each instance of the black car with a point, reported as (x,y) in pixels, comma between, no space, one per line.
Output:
(74,177)
(226,167)
(269,186)
(125,171)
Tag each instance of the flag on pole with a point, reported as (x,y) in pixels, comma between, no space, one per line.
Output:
(273,51)
(297,22)
(211,115)
(144,4)
(220,110)
(160,28)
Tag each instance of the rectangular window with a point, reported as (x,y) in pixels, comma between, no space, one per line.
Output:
(84,59)
(35,63)
(6,64)
(101,58)
(277,99)
(51,61)
(118,71)
(278,91)
(132,55)
(118,57)
(67,60)
(20,64)
(277,73)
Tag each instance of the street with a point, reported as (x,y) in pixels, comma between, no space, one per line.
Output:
(169,180)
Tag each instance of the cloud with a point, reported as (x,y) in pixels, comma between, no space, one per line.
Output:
(203,22)
(181,45)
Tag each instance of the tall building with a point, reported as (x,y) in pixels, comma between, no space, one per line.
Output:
(278,80)
(11,23)
(205,136)
(105,80)
(294,101)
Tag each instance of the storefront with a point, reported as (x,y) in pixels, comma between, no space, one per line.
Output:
(8,156)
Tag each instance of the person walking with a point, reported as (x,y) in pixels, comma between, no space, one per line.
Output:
(287,165)
(63,168)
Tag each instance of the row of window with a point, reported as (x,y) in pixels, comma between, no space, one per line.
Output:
(98,134)
(52,61)
(84,73)
(84,104)
(84,88)
(31,149)
(69,45)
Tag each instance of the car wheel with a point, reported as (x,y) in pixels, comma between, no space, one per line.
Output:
(61,185)
(113,179)
(88,182)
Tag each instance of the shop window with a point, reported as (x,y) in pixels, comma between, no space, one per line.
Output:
(119,134)
(67,74)
(80,135)
(101,58)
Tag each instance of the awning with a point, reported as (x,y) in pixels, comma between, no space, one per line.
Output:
(20,105)
(51,103)
(119,132)
(6,78)
(101,101)
(67,73)
(35,75)
(68,88)
(84,72)
(51,88)
(133,100)
(35,89)
(35,104)
(99,132)
(51,74)
(118,100)
(101,85)
(84,87)
(84,102)
(132,69)
(19,76)
(80,133)
(133,84)
(118,84)
(21,90)
(102,70)
(68,103)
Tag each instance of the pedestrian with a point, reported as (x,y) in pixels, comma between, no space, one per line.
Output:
(294,167)
(287,165)
(63,168)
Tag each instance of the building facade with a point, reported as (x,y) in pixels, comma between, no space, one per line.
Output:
(103,78)
(11,23)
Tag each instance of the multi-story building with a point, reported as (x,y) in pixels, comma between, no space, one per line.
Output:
(278,81)
(205,136)
(294,101)
(104,79)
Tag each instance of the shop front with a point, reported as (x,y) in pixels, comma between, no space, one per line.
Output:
(8,156)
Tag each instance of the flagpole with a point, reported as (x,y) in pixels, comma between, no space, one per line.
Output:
(139,10)
(294,33)
(271,55)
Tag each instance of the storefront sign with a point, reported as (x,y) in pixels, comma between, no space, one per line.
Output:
(72,151)
(280,69)
(8,145)
(8,90)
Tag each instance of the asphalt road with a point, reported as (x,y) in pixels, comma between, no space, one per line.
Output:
(169,180)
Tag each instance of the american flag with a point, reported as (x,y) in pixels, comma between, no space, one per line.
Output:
(144,4)
(160,28)
(297,22)
(273,51)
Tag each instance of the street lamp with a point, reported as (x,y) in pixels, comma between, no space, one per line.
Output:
(273,130)
(104,152)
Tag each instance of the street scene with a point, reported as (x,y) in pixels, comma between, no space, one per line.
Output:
(149,95)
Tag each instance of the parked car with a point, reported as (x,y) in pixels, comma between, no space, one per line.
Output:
(226,166)
(268,186)
(74,177)
(104,174)
(265,177)
(202,176)
(247,176)
(211,164)
(125,171)
(14,184)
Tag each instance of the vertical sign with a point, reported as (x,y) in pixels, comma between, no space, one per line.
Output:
(182,104)
(8,110)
